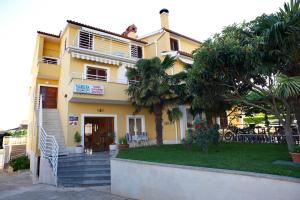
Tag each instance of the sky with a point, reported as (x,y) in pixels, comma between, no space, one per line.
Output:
(20,19)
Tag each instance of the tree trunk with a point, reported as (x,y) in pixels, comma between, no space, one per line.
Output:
(209,119)
(158,124)
(289,137)
(296,105)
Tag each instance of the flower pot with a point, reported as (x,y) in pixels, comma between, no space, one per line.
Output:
(78,149)
(112,147)
(123,146)
(295,157)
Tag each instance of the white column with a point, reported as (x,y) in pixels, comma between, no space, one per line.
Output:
(183,121)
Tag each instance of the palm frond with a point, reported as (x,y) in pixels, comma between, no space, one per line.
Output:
(287,86)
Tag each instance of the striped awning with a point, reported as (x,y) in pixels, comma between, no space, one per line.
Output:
(100,59)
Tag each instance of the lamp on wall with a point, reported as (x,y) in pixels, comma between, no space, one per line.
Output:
(66,95)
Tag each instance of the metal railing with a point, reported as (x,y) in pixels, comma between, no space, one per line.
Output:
(83,77)
(47,143)
(50,60)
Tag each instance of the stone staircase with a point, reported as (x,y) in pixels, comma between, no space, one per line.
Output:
(52,126)
(77,170)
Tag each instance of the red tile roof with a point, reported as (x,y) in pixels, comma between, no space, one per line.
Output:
(48,34)
(105,31)
(175,33)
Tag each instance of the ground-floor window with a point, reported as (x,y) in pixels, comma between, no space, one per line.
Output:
(135,124)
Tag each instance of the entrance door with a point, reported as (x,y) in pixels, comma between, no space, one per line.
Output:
(96,131)
(49,95)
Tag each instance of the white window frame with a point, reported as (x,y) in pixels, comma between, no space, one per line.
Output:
(178,40)
(142,117)
(99,67)
(93,40)
(143,50)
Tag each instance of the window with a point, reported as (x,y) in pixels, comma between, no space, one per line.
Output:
(136,51)
(135,124)
(134,80)
(85,40)
(174,44)
(94,73)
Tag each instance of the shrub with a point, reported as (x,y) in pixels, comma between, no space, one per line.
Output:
(202,137)
(123,140)
(77,137)
(297,149)
(19,163)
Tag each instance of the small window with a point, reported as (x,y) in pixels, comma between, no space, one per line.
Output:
(136,51)
(135,125)
(96,74)
(134,80)
(174,44)
(85,40)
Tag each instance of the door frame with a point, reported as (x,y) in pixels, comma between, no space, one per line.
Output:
(46,85)
(99,115)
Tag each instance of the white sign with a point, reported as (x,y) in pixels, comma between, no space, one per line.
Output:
(89,89)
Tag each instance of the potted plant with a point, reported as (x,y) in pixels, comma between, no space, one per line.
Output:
(113,145)
(296,154)
(123,143)
(77,139)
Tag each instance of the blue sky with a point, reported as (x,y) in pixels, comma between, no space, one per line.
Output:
(20,19)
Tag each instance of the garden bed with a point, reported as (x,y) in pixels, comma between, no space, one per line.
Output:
(234,156)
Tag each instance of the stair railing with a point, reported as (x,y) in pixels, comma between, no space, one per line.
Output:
(47,143)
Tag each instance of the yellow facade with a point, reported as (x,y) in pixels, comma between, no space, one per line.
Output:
(112,53)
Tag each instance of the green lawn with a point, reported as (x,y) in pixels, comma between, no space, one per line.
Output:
(236,156)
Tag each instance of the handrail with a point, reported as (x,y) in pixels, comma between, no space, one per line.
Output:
(47,143)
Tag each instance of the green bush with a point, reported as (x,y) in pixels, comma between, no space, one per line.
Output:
(297,149)
(77,137)
(122,140)
(19,163)
(202,137)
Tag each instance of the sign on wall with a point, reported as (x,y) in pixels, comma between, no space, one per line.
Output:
(89,89)
(73,120)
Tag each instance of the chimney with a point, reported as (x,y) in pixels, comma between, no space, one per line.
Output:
(130,31)
(164,18)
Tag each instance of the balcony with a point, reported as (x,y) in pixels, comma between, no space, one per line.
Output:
(49,68)
(104,46)
(87,88)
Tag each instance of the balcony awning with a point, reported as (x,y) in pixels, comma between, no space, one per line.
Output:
(100,59)
(185,60)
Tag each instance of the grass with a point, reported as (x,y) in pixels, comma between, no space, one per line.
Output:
(235,156)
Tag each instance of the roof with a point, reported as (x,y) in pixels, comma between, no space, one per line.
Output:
(105,31)
(175,33)
(48,34)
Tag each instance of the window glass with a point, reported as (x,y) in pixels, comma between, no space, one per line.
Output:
(96,73)
(174,44)
(131,125)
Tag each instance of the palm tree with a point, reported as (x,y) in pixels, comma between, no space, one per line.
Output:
(282,35)
(153,88)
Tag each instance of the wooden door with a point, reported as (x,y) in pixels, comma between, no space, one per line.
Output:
(101,126)
(49,95)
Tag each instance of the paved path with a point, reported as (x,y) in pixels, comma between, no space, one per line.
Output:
(20,187)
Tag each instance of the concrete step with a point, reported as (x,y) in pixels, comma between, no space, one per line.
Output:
(84,183)
(87,167)
(99,163)
(72,172)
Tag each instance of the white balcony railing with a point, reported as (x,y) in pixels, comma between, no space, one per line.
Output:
(50,60)
(83,77)
(105,45)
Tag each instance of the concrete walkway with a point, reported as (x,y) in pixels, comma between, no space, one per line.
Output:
(20,187)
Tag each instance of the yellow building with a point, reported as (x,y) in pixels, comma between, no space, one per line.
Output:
(79,77)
